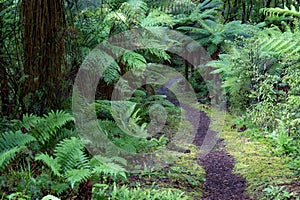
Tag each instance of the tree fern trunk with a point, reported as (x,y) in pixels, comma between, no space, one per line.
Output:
(43,53)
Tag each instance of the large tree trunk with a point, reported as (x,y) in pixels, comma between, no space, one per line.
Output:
(43,53)
(3,75)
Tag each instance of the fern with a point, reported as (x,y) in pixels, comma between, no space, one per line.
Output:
(14,139)
(173,7)
(12,143)
(127,118)
(254,65)
(50,162)
(74,176)
(110,170)
(135,10)
(112,73)
(70,161)
(69,154)
(134,61)
(48,126)
(273,42)
(161,54)
(37,129)
(276,12)
(157,18)
(7,156)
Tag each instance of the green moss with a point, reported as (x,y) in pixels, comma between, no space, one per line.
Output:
(188,172)
(254,159)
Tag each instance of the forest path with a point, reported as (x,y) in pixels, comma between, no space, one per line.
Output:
(221,183)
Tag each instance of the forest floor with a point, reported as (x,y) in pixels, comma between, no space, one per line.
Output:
(238,167)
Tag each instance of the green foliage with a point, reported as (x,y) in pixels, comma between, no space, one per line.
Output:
(275,12)
(144,102)
(70,161)
(172,7)
(157,18)
(12,143)
(99,24)
(137,193)
(46,127)
(33,134)
(278,193)
(210,33)
(253,68)
(259,76)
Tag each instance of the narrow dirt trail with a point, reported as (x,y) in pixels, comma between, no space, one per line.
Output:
(221,183)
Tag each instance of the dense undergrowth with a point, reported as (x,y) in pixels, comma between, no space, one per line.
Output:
(254,47)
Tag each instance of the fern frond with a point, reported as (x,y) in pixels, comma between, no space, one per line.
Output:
(50,124)
(110,169)
(159,53)
(110,127)
(279,44)
(276,12)
(172,7)
(70,155)
(30,120)
(111,73)
(127,118)
(74,176)
(157,18)
(135,61)
(134,10)
(7,156)
(10,140)
(50,162)
(206,10)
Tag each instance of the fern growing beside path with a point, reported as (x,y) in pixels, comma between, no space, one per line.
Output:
(32,134)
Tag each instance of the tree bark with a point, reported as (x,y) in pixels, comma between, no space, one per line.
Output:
(3,75)
(43,53)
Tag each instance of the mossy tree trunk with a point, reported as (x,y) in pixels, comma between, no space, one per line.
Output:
(44,22)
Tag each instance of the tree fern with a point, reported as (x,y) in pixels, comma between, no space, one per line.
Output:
(212,35)
(253,61)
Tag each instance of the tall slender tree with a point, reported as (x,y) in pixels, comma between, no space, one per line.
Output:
(44,22)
